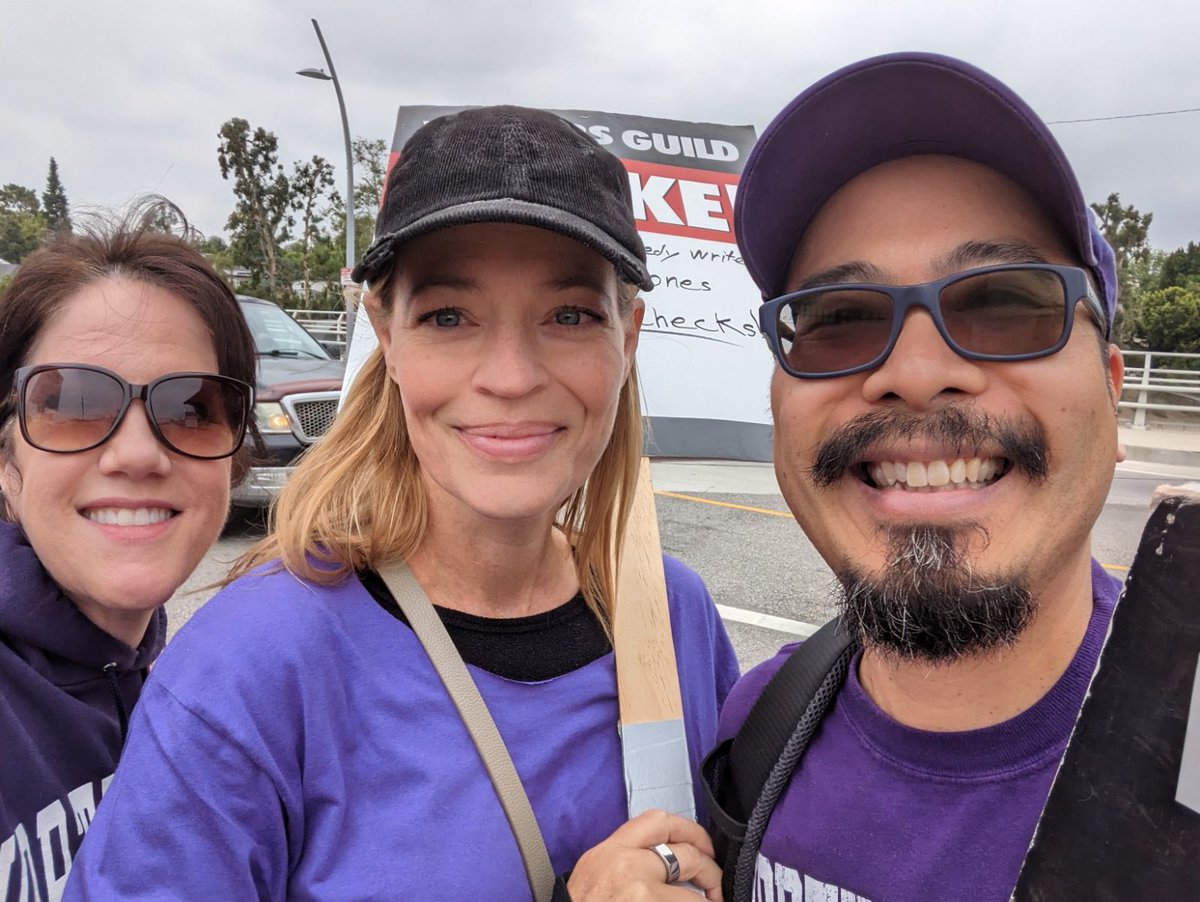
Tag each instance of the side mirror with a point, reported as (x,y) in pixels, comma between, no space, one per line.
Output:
(334,348)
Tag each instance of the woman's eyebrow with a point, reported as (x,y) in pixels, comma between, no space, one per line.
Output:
(578,280)
(439,280)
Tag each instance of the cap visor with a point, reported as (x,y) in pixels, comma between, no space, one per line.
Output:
(379,255)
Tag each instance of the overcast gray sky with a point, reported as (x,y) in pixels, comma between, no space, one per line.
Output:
(128,96)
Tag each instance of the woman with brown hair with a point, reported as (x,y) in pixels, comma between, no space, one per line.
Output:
(296,741)
(125,374)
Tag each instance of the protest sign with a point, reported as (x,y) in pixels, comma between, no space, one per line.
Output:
(704,368)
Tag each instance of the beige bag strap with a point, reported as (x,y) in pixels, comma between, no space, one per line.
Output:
(462,689)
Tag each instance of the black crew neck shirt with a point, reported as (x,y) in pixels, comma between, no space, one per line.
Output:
(525,649)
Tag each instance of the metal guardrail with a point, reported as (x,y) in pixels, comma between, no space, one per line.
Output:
(1146,380)
(323,325)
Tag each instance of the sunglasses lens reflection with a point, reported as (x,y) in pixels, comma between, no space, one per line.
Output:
(999,314)
(197,415)
(834,329)
(1005,314)
(72,409)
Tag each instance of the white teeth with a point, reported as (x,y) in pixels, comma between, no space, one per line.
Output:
(916,475)
(124,516)
(958,471)
(935,475)
(937,472)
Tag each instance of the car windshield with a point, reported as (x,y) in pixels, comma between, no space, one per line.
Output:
(278,335)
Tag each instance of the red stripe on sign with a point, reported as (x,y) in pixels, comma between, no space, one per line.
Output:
(676,200)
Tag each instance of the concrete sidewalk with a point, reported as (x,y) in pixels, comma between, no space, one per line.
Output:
(1173,447)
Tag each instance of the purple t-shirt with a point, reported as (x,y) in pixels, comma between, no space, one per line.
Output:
(883,812)
(295,742)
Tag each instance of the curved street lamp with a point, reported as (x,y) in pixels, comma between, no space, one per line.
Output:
(332,76)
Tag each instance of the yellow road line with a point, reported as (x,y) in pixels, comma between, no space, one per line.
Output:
(736,507)
(771,513)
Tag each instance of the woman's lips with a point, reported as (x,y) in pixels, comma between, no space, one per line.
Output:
(510,442)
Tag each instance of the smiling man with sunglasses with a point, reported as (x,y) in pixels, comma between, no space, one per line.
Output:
(939,304)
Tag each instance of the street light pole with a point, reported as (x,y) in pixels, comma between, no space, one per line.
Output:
(350,296)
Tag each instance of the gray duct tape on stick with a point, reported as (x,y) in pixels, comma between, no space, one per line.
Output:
(656,768)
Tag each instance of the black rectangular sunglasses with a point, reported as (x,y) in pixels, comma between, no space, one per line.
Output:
(65,408)
(1010,312)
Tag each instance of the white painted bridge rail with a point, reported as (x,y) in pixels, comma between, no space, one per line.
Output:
(1162,387)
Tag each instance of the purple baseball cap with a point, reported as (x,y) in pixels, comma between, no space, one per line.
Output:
(893,106)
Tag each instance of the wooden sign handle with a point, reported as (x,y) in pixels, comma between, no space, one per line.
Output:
(647,679)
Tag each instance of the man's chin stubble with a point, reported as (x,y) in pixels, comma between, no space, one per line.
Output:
(929,604)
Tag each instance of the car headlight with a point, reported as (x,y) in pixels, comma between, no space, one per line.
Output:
(271,418)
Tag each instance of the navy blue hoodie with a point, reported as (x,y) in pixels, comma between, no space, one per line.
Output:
(66,689)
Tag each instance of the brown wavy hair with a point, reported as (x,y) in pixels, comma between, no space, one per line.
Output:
(132,246)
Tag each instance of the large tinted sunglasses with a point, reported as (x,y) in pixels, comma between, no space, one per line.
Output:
(68,407)
(1011,312)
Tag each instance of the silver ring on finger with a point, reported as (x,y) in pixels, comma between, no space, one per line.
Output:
(670,862)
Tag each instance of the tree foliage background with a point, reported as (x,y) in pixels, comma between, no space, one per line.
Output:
(22,225)
(287,229)
(55,207)
(1159,291)
(261,219)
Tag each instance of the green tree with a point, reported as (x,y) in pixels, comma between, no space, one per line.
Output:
(166,218)
(216,250)
(312,186)
(22,225)
(1127,231)
(54,202)
(261,220)
(1169,320)
(370,171)
(1181,267)
(364,225)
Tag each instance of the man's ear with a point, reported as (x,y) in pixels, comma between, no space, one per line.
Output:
(1115,370)
(1116,374)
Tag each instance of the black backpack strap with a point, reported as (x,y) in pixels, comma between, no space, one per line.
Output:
(744,776)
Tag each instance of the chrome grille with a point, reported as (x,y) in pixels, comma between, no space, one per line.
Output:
(311,414)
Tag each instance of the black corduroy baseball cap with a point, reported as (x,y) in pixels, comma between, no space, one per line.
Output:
(508,164)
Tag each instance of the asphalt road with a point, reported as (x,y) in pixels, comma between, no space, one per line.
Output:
(755,559)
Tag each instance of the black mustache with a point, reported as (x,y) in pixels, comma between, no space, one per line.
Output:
(1022,443)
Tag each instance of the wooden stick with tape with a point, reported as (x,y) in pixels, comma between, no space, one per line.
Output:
(653,740)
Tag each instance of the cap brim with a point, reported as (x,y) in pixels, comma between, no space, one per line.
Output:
(883,109)
(383,249)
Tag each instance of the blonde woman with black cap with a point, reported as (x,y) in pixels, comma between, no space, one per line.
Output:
(295,740)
